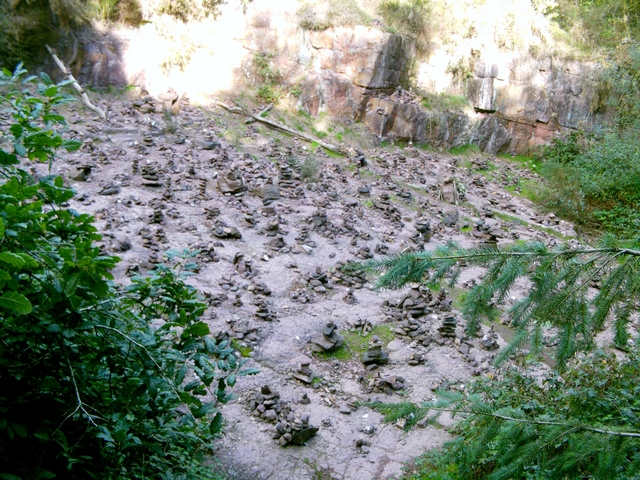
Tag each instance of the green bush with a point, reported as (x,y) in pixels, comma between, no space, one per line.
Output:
(406,17)
(98,380)
(594,180)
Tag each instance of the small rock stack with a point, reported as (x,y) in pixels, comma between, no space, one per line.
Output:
(157,215)
(448,327)
(150,176)
(222,231)
(490,340)
(318,281)
(304,372)
(286,177)
(388,384)
(264,310)
(272,228)
(201,193)
(375,355)
(353,279)
(290,428)
(328,340)
(231,183)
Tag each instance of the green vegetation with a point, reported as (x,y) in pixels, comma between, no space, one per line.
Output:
(408,18)
(581,424)
(594,179)
(320,15)
(269,78)
(355,344)
(99,380)
(443,101)
(598,23)
(581,418)
(465,150)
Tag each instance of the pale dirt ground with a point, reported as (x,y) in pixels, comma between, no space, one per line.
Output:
(247,450)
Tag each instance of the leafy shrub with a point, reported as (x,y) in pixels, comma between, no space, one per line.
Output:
(98,380)
(595,180)
(406,17)
(320,15)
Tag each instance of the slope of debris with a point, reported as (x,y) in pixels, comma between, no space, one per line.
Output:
(273,222)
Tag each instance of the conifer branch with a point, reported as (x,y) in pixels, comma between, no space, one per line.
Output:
(560,278)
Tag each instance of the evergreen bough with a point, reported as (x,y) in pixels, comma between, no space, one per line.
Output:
(579,420)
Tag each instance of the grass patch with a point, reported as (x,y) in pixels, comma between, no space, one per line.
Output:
(356,344)
(244,351)
(465,150)
(523,161)
(443,101)
(512,218)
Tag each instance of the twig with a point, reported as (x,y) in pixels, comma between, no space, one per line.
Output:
(76,85)
(80,403)
(587,428)
(261,114)
(284,128)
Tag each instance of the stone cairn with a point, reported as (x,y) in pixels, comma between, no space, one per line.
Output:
(201,193)
(304,373)
(448,327)
(223,231)
(328,339)
(264,310)
(416,359)
(410,314)
(355,280)
(423,232)
(272,228)
(290,427)
(231,183)
(490,340)
(318,280)
(150,175)
(270,193)
(157,215)
(375,355)
(350,298)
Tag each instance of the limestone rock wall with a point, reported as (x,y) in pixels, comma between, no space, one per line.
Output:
(516,103)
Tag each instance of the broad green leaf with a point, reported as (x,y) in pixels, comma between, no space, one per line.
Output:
(16,302)
(7,159)
(12,259)
(72,284)
(4,276)
(199,329)
(1,229)
(231,380)
(29,261)
(216,424)
(71,145)
(17,130)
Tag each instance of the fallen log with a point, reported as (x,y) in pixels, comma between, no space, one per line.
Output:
(283,128)
(76,85)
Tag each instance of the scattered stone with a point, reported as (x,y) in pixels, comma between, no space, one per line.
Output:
(231,183)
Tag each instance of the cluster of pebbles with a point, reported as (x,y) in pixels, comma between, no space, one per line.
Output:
(290,427)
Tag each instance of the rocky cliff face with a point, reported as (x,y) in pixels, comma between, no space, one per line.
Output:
(516,103)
